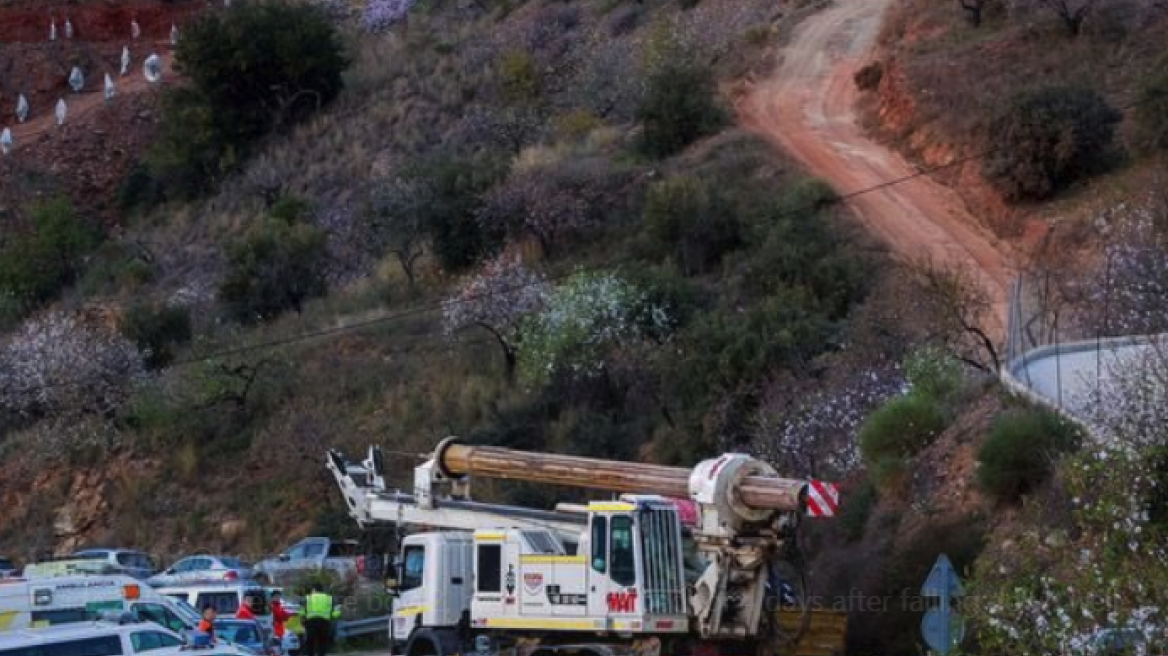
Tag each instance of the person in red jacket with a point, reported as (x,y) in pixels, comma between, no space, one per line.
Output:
(279,616)
(245,612)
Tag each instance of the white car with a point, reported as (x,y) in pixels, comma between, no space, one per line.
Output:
(123,561)
(202,569)
(104,639)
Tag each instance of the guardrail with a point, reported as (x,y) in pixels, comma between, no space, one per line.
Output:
(367,626)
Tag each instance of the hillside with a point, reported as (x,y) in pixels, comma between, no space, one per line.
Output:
(600,228)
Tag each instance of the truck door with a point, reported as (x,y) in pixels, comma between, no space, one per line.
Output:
(411,600)
(612,566)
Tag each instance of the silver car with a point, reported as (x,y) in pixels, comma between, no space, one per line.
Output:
(122,561)
(202,569)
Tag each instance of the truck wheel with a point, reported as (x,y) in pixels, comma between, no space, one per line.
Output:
(432,642)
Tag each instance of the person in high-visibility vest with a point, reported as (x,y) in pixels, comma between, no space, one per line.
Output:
(319,613)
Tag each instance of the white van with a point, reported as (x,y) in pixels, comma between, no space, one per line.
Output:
(224,597)
(102,639)
(67,600)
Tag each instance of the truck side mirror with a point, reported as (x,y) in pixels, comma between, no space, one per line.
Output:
(391,586)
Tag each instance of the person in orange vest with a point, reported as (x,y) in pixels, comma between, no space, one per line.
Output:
(279,616)
(207,624)
(244,612)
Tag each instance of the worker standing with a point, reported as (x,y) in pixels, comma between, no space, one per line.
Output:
(319,612)
(245,609)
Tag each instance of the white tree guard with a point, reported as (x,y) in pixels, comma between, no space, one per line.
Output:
(110,91)
(6,143)
(21,109)
(125,60)
(52,30)
(135,29)
(76,80)
(173,34)
(62,112)
(68,29)
(153,68)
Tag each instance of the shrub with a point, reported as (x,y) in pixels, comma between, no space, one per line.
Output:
(691,221)
(254,68)
(275,267)
(869,76)
(1152,110)
(157,330)
(1021,449)
(932,372)
(451,186)
(518,76)
(1046,139)
(901,428)
(35,266)
(679,107)
(856,509)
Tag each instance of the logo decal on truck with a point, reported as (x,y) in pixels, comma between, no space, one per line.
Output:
(622,602)
(532,582)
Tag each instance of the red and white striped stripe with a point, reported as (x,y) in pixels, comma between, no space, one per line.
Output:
(822,499)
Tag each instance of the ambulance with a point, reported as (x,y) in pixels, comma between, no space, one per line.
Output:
(41,603)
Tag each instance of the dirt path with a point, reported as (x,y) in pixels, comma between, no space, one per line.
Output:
(81,105)
(808,109)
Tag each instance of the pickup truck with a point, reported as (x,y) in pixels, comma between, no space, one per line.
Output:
(341,557)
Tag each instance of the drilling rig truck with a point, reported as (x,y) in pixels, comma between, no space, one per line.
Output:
(701,562)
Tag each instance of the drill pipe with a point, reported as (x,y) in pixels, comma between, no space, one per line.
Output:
(759,492)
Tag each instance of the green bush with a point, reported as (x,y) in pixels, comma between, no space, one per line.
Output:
(680,106)
(275,267)
(692,222)
(1152,108)
(157,330)
(452,185)
(1045,139)
(1018,454)
(518,76)
(254,68)
(856,509)
(932,372)
(36,265)
(901,427)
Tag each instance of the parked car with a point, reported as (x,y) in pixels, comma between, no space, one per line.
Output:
(247,634)
(199,569)
(341,557)
(251,635)
(8,569)
(104,639)
(123,561)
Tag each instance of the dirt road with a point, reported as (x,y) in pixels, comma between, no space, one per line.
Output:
(807,107)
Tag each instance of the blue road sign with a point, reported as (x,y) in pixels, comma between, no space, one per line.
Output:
(941,628)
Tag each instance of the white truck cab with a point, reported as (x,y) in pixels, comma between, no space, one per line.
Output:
(436,581)
(71,600)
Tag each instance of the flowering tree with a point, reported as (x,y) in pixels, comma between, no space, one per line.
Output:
(1054,590)
(380,15)
(581,321)
(62,364)
(397,221)
(815,434)
(533,203)
(497,299)
(1130,294)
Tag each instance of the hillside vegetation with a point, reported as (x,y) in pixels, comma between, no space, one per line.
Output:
(531,225)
